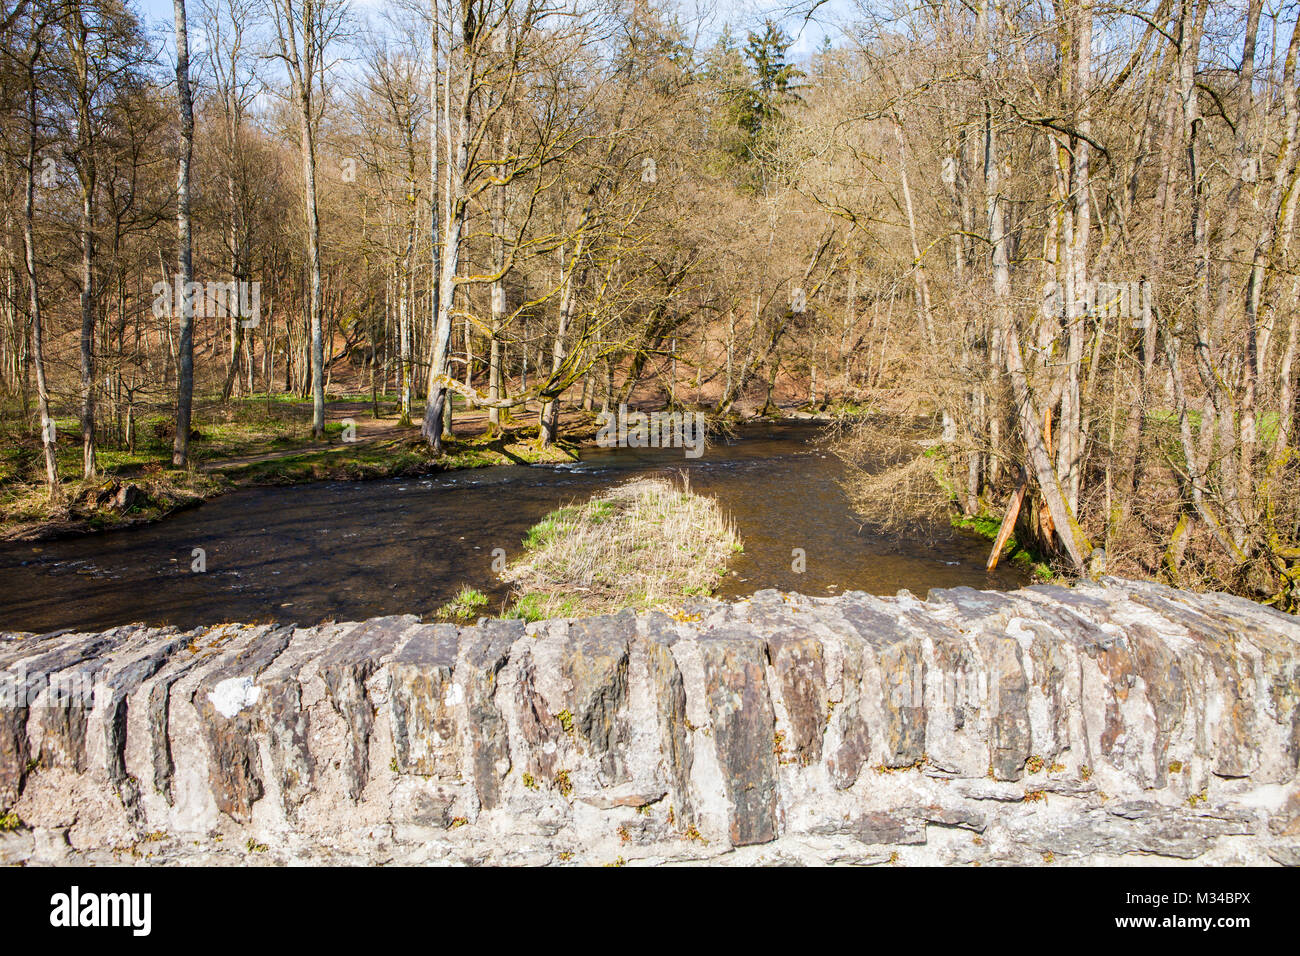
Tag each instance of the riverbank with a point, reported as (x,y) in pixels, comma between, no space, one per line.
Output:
(264,441)
(254,443)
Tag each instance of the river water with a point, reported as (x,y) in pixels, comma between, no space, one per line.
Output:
(350,550)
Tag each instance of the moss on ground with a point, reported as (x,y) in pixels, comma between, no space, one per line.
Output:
(987,526)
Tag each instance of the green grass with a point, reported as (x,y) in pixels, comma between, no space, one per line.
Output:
(242,428)
(987,526)
(464,606)
(483,451)
(846,408)
(289,398)
(1163,424)
(528,607)
(551,527)
(345,462)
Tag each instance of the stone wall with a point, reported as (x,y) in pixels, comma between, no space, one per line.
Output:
(1120,723)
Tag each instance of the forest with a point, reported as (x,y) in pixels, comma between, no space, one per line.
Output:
(1032,260)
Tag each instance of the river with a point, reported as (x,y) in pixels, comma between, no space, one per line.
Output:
(351,550)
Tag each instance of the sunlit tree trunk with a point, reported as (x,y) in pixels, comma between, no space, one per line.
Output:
(48,436)
(184,253)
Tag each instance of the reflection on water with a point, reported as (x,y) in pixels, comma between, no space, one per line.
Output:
(350,550)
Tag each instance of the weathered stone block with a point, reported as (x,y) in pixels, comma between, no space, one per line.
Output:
(422,697)
(743,731)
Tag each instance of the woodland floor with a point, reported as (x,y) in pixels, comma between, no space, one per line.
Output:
(261,439)
(251,441)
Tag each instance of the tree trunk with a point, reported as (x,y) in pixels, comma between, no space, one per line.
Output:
(184,254)
(87,352)
(437,408)
(313,257)
(48,436)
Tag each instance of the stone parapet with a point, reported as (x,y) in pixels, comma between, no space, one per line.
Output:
(1112,723)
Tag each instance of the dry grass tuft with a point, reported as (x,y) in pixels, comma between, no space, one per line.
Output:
(645,544)
(893,481)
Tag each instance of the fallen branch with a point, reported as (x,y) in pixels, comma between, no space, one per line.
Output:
(1008,521)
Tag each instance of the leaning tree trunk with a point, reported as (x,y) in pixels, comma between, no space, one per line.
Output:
(1073,541)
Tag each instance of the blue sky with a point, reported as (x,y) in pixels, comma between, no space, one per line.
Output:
(741,13)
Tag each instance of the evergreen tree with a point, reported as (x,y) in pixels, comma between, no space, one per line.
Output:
(754,83)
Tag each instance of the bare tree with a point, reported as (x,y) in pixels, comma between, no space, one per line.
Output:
(305,30)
